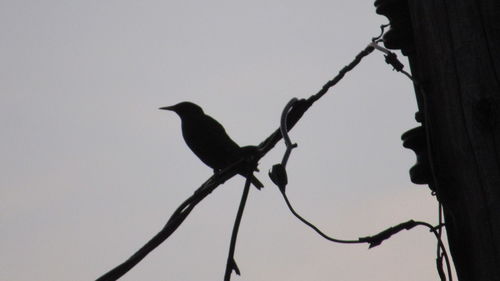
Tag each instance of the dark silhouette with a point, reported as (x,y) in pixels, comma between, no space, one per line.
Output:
(253,154)
(208,139)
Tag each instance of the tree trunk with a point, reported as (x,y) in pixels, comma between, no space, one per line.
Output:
(456,61)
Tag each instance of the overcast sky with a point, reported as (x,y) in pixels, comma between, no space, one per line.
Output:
(91,169)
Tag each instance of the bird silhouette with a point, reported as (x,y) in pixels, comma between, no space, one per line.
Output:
(208,139)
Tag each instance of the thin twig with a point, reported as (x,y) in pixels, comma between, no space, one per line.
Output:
(278,172)
(231,262)
(439,254)
(373,240)
(315,228)
(382,32)
(377,239)
(342,72)
(284,131)
(441,244)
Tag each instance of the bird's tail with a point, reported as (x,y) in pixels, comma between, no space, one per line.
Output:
(256,182)
(248,152)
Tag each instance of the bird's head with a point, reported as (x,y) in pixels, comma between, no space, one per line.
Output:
(184,109)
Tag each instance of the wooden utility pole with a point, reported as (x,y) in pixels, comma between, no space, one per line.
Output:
(454,51)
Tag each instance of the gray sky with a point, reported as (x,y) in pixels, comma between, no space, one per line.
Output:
(91,169)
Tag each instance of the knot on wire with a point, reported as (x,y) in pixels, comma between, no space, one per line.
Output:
(392,59)
(279,176)
(377,239)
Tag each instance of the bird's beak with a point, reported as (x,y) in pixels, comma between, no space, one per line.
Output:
(168,108)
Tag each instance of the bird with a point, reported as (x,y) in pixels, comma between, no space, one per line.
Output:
(208,139)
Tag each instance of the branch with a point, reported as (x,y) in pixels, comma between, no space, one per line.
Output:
(175,221)
(443,249)
(377,239)
(302,105)
(278,172)
(315,228)
(284,131)
(231,263)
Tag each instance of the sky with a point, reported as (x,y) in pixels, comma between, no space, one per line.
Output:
(91,169)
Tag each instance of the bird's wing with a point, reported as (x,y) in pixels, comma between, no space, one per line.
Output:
(210,142)
(217,138)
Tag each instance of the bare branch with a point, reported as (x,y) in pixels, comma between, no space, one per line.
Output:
(231,262)
(296,112)
(175,220)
